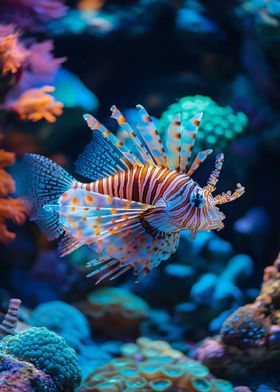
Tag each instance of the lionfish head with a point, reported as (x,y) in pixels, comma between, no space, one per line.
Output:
(205,212)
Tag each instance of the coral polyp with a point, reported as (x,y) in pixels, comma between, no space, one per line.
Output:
(156,374)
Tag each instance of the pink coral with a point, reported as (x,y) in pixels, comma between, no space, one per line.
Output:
(36,104)
(12,52)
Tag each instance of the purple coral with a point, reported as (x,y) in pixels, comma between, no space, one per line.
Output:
(23,376)
(28,14)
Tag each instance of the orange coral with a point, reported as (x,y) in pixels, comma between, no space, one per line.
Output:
(12,53)
(10,209)
(36,104)
(91,5)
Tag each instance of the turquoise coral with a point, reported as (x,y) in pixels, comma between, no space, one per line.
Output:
(219,125)
(47,352)
(63,319)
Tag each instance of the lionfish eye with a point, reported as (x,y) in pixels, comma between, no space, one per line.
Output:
(197,199)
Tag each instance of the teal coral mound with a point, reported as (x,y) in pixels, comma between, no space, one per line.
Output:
(65,320)
(219,125)
(47,352)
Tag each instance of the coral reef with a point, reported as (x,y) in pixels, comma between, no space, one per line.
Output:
(10,209)
(254,329)
(223,61)
(118,307)
(47,352)
(219,125)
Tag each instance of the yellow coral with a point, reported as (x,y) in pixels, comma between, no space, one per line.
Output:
(146,348)
(12,53)
(36,104)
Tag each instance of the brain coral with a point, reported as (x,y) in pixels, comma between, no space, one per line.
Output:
(47,352)
(115,306)
(157,374)
(22,376)
(218,127)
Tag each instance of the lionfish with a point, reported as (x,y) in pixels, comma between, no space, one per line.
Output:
(133,211)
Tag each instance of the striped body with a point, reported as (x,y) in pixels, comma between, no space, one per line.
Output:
(147,184)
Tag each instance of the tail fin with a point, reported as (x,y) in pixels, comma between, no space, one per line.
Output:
(44,183)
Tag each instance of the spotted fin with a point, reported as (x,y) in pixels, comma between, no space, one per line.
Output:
(67,245)
(141,150)
(88,217)
(116,152)
(141,254)
(174,142)
(150,138)
(200,158)
(188,137)
(100,158)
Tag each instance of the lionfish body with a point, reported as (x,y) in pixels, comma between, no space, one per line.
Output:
(132,213)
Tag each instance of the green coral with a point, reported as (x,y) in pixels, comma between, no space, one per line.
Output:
(219,125)
(48,352)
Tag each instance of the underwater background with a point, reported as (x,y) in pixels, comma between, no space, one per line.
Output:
(206,319)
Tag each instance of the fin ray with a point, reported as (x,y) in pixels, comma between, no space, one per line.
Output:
(150,137)
(44,183)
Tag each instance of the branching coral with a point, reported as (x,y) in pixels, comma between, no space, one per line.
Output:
(36,104)
(10,209)
(34,65)
(12,52)
(47,352)
(219,125)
